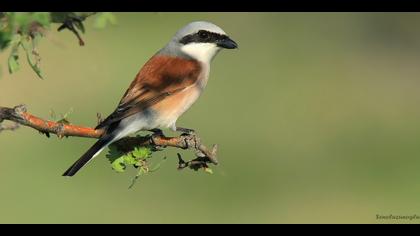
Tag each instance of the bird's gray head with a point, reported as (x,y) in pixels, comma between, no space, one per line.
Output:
(200,40)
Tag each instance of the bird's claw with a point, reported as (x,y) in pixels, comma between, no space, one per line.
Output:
(185,131)
(157,133)
(191,140)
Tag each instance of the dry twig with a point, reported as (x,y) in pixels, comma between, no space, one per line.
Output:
(20,116)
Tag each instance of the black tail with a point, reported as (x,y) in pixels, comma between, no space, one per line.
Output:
(95,149)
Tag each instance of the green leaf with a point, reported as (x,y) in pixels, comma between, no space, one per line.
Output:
(43,18)
(22,20)
(113,153)
(103,19)
(208,170)
(141,153)
(116,159)
(16,40)
(118,165)
(36,38)
(5,38)
(27,46)
(129,159)
(13,60)
(26,43)
(13,63)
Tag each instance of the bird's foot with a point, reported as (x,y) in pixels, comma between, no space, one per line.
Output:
(190,137)
(185,131)
(157,133)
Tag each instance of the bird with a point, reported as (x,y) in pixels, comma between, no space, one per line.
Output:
(164,88)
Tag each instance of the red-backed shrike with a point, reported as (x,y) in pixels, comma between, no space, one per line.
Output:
(167,85)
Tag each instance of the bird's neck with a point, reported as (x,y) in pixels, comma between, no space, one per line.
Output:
(204,75)
(203,52)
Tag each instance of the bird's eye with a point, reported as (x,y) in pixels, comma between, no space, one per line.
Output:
(203,34)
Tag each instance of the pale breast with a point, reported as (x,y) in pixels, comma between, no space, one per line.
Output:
(171,108)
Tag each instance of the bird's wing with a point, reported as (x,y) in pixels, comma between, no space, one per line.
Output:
(160,77)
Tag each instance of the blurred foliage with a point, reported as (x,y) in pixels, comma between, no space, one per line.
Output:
(23,30)
(104,19)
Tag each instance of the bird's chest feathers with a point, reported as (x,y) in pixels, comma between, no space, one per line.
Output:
(175,105)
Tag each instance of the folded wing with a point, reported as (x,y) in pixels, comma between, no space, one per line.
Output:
(160,77)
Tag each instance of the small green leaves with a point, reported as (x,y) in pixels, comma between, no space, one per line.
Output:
(138,158)
(26,22)
(27,26)
(141,153)
(119,161)
(64,117)
(103,19)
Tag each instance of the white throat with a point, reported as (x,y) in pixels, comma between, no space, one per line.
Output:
(203,52)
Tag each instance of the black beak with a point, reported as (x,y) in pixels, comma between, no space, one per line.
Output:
(227,43)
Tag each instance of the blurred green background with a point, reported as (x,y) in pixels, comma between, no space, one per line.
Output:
(316,116)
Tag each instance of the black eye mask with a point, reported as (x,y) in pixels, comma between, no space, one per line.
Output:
(202,36)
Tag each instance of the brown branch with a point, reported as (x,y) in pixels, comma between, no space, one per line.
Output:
(19,115)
